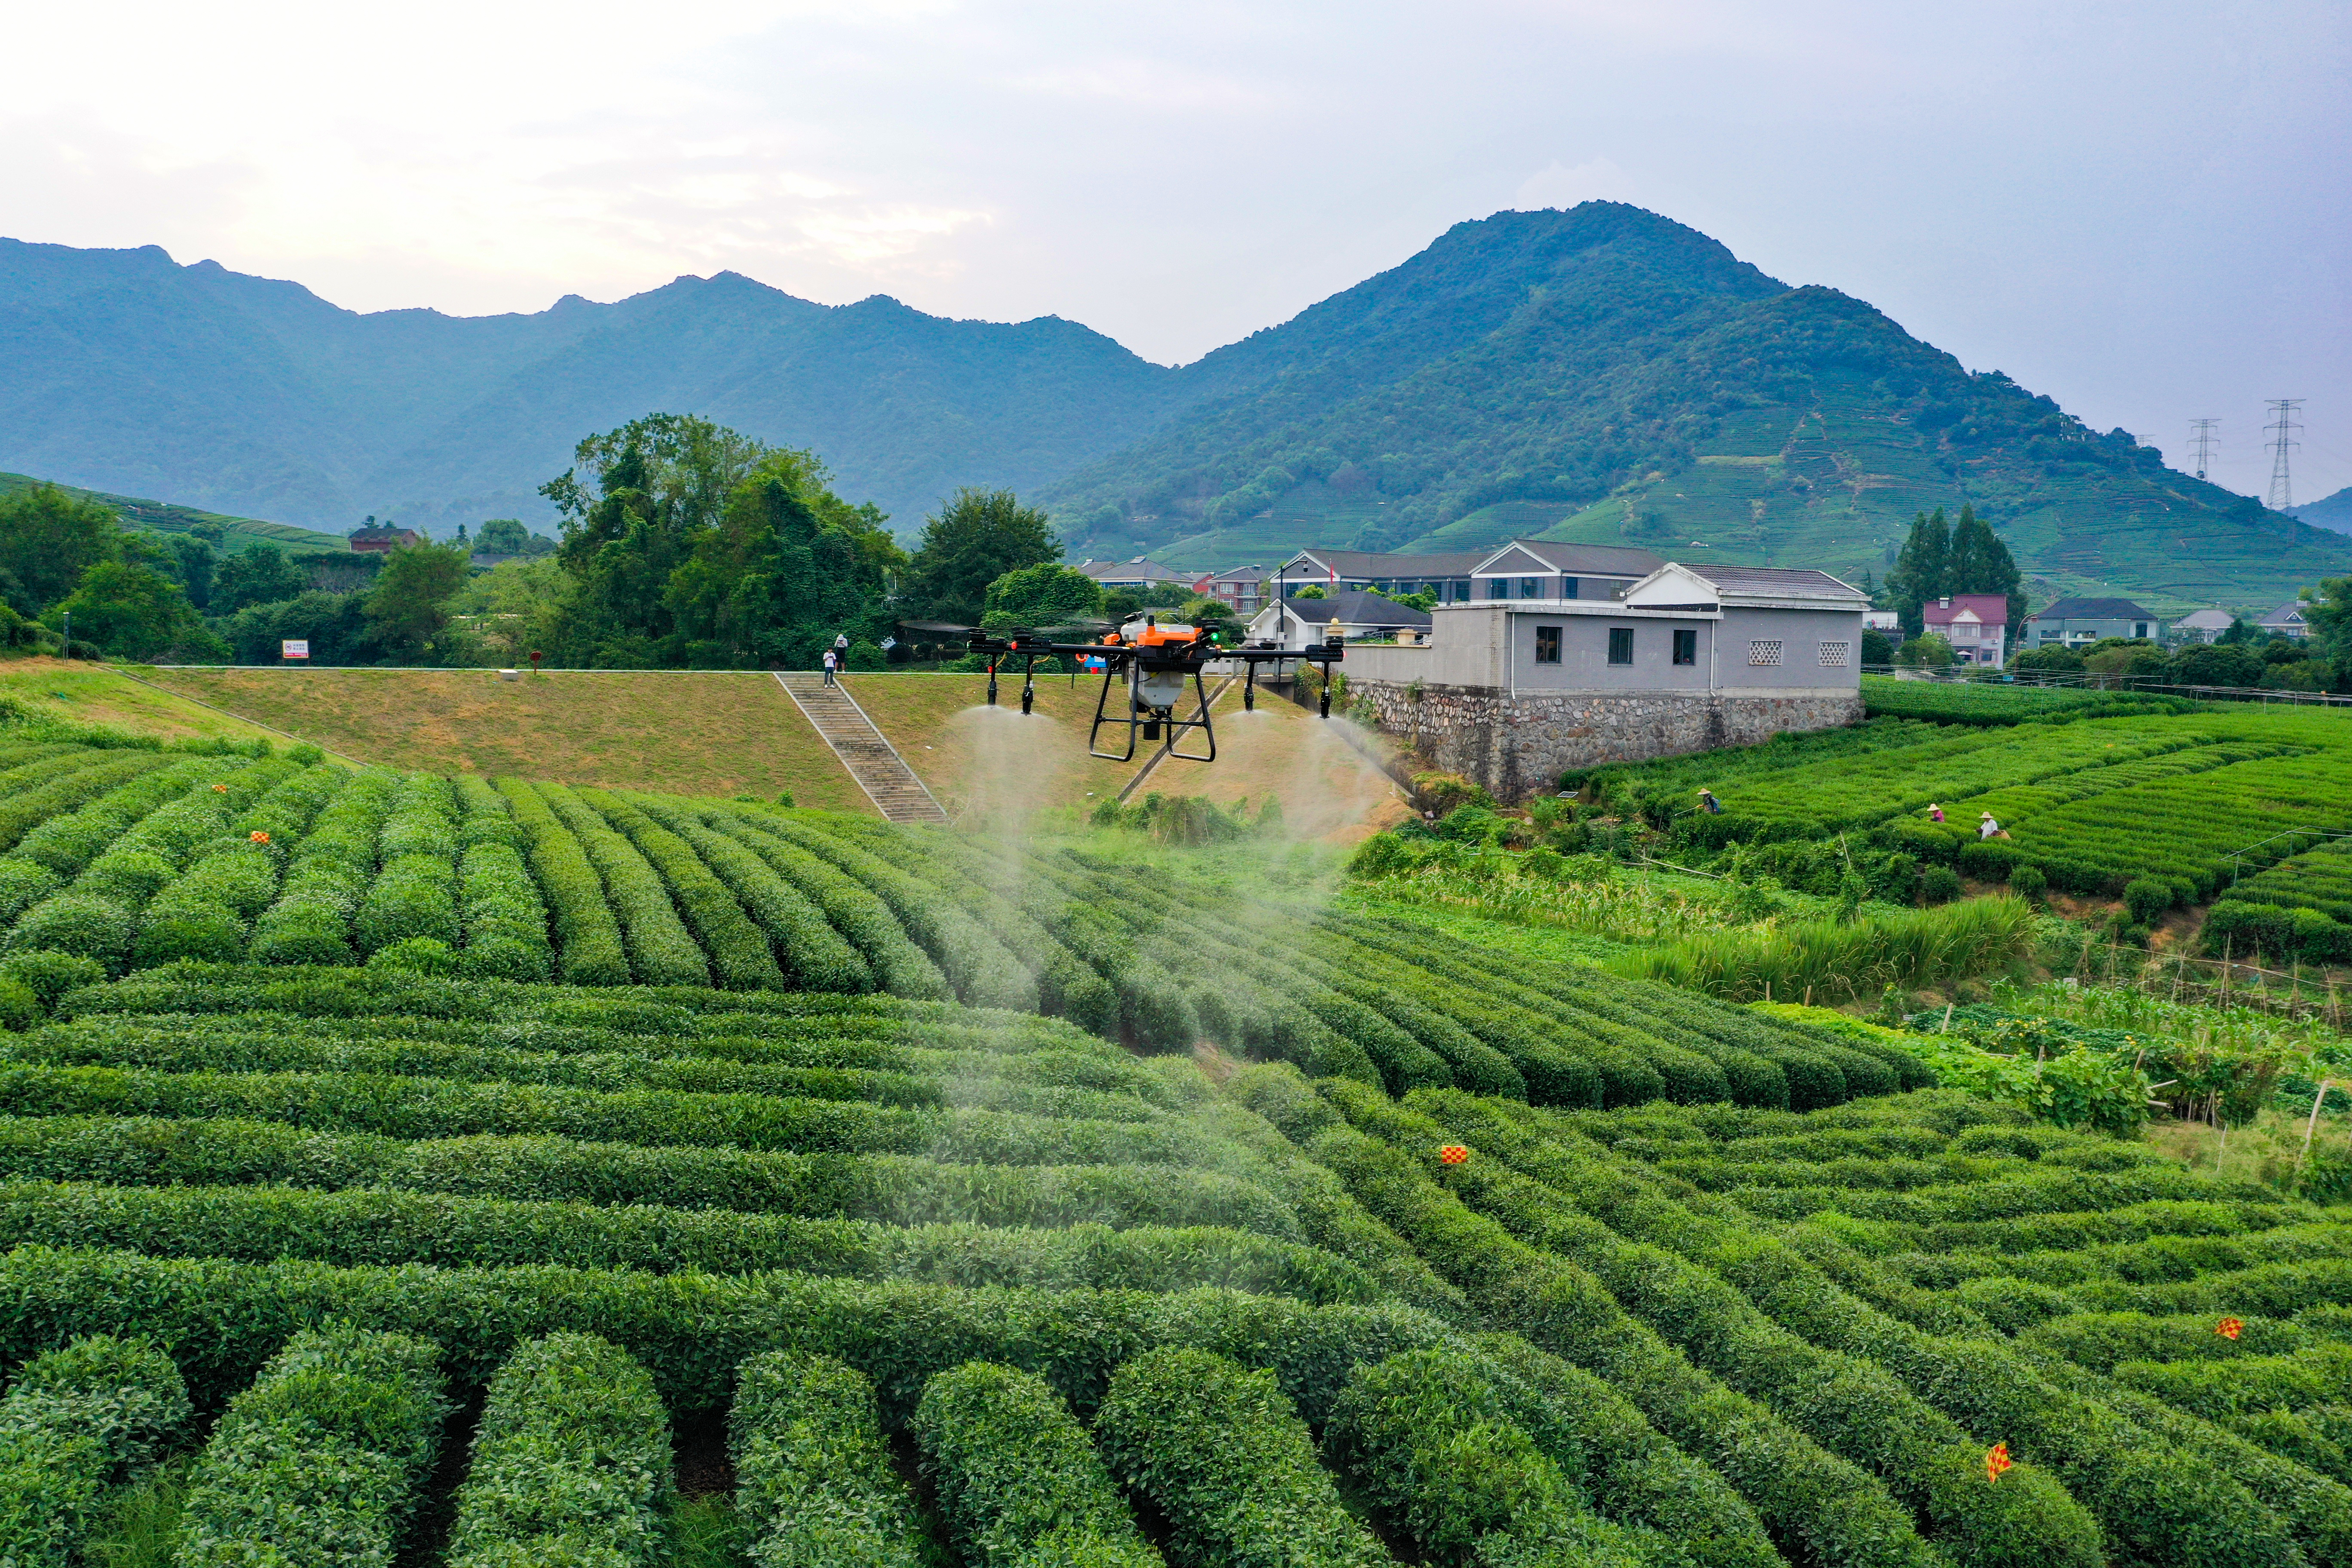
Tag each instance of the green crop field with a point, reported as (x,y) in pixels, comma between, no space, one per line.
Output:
(417,1167)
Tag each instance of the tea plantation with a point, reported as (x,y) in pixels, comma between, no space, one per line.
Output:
(423,1170)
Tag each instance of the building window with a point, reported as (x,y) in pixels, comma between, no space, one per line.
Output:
(1530,587)
(1498,587)
(1567,587)
(1833,655)
(2139,628)
(1621,644)
(1686,647)
(1547,645)
(1766,651)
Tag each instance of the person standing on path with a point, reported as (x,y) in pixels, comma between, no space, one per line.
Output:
(832,662)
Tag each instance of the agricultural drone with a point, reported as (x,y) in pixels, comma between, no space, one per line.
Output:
(1149,659)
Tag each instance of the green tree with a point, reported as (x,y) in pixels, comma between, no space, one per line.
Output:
(193,561)
(1046,594)
(1922,571)
(2327,612)
(1981,563)
(502,536)
(132,611)
(978,537)
(47,540)
(259,575)
(409,606)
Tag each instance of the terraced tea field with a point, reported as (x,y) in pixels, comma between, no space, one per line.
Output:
(446,1170)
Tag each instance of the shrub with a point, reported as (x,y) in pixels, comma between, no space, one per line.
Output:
(51,973)
(2147,897)
(322,1460)
(79,1420)
(571,1462)
(1939,884)
(813,1478)
(819,958)
(899,966)
(660,951)
(416,956)
(2028,882)
(1017,1479)
(1223,1455)
(588,938)
(82,924)
(1426,1435)
(737,948)
(1441,792)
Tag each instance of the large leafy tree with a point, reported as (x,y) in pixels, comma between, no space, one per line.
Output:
(259,575)
(1981,563)
(47,540)
(1940,558)
(134,611)
(1046,594)
(687,542)
(409,606)
(978,537)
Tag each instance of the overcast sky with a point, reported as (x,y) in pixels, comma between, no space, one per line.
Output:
(2139,207)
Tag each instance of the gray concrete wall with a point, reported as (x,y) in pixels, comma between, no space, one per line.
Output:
(1800,634)
(1518,745)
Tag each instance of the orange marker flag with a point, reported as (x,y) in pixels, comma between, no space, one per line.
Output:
(220,789)
(2230,1328)
(259,836)
(1453,1153)
(1996,1460)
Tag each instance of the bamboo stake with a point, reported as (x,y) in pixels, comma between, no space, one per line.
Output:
(2311,1127)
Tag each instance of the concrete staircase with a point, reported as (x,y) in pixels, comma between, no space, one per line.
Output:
(877,766)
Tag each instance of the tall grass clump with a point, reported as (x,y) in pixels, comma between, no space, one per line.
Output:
(1822,960)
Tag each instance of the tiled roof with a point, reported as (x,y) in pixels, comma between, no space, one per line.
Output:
(1387,563)
(2091,610)
(1584,560)
(1787,582)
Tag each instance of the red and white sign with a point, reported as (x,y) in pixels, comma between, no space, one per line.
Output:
(294,647)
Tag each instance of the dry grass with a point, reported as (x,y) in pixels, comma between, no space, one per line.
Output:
(705,733)
(102,694)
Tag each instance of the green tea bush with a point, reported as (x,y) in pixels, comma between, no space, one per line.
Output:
(504,921)
(1016,1477)
(416,956)
(1427,1437)
(660,951)
(416,892)
(1222,1453)
(322,1460)
(899,966)
(76,780)
(326,877)
(79,1420)
(571,1462)
(816,955)
(1939,884)
(737,948)
(588,937)
(813,1478)
(51,973)
(67,843)
(2147,897)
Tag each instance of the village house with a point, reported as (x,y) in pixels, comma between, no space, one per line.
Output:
(1975,624)
(1514,691)
(2070,622)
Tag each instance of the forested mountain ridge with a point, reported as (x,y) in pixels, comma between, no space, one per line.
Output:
(1628,381)
(1598,374)
(125,372)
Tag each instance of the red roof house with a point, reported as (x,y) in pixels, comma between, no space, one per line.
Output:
(380,539)
(1975,624)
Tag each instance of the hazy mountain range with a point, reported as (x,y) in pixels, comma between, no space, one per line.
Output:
(1597,374)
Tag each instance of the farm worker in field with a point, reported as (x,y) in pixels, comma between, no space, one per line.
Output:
(832,662)
(1935,812)
(1708,804)
(1987,827)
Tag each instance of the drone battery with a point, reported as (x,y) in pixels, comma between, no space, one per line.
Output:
(1151,729)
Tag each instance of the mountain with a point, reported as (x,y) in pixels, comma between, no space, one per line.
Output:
(1607,375)
(123,371)
(1601,373)
(2331,512)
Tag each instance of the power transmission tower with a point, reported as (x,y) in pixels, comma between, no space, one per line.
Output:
(2202,438)
(2281,432)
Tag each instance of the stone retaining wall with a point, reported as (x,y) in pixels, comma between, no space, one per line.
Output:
(1517,746)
